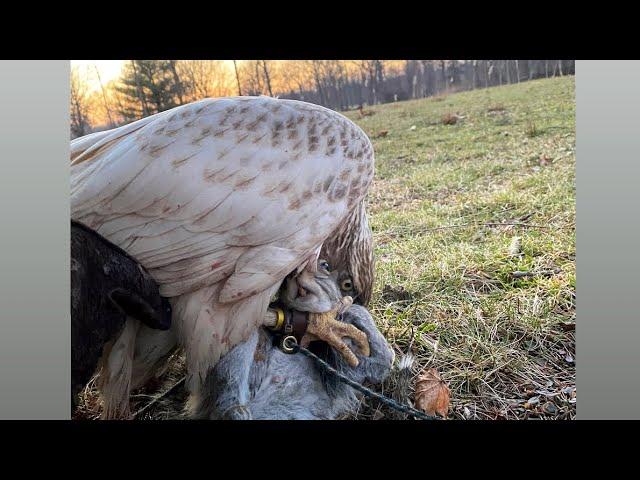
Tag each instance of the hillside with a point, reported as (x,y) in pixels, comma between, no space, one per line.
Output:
(473,213)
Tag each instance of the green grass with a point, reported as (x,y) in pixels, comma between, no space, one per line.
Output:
(445,206)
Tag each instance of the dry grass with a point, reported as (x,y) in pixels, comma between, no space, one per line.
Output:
(446,206)
(498,107)
(532,130)
(496,319)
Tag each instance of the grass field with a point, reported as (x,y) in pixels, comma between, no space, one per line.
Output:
(473,214)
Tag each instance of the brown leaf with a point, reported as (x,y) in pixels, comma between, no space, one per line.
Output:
(550,408)
(382,133)
(450,119)
(432,394)
(568,326)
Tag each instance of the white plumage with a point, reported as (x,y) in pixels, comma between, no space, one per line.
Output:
(220,200)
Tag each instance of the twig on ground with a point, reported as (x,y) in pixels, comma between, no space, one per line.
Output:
(159,397)
(545,273)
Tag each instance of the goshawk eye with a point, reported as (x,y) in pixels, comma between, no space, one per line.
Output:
(346,284)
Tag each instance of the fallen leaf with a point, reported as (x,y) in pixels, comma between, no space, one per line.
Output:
(550,408)
(534,400)
(450,119)
(382,133)
(432,394)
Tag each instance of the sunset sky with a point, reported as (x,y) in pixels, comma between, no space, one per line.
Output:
(109,70)
(96,83)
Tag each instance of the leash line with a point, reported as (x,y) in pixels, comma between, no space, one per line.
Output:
(361,388)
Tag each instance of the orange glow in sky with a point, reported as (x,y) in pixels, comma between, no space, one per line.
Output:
(109,70)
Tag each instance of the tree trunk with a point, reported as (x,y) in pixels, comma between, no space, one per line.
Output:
(235,67)
(425,80)
(529,67)
(266,77)
(316,77)
(176,78)
(141,97)
(257,78)
(486,74)
(475,74)
(104,98)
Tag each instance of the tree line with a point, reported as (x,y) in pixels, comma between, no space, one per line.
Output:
(145,87)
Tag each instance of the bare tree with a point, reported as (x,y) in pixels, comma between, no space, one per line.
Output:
(145,87)
(443,75)
(475,73)
(252,77)
(267,78)
(411,73)
(235,67)
(204,78)
(295,78)
(316,68)
(258,77)
(104,97)
(79,93)
(487,73)
(176,78)
(371,74)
